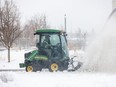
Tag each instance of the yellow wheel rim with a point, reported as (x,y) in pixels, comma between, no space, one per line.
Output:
(54,67)
(29,68)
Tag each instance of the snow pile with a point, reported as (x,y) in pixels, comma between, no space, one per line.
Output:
(101,54)
(17,56)
(5,77)
(60,79)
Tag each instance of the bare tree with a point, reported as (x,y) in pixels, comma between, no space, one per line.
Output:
(36,22)
(39,22)
(81,39)
(9,24)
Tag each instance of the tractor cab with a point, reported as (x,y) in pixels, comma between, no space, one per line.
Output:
(52,43)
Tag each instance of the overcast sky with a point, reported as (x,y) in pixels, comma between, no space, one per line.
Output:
(86,14)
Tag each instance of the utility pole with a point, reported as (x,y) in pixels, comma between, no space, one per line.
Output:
(65,22)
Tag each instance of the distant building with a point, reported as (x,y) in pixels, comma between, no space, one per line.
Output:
(113,4)
(114,8)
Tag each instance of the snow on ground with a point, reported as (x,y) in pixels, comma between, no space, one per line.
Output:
(17,56)
(48,79)
(57,79)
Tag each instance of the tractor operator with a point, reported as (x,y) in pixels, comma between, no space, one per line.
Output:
(46,46)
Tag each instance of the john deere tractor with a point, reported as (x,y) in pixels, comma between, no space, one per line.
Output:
(51,53)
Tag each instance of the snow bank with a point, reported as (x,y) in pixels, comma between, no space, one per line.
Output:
(101,54)
(59,79)
(7,79)
(17,56)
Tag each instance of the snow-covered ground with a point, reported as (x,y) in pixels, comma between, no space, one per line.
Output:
(48,79)
(58,79)
(17,56)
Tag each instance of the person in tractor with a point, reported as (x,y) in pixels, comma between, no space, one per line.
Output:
(46,46)
(46,42)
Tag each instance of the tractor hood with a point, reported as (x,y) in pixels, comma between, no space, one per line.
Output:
(35,55)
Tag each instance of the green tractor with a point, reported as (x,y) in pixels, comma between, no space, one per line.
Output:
(52,52)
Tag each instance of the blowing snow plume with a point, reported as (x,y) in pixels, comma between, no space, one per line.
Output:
(101,54)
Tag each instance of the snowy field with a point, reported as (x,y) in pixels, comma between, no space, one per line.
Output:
(48,79)
(17,56)
(57,79)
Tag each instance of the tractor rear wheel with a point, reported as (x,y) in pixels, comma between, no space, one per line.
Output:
(53,67)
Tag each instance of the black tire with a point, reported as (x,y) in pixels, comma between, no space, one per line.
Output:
(33,67)
(39,67)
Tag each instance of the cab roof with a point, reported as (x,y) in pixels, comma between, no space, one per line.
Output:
(40,31)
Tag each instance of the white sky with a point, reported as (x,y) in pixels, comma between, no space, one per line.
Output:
(86,14)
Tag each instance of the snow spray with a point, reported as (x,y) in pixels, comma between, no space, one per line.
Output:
(100,56)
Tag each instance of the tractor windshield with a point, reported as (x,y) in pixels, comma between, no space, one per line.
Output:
(54,39)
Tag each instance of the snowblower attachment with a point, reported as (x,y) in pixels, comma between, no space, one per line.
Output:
(74,64)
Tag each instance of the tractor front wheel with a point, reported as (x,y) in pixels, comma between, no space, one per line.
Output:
(29,68)
(33,67)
